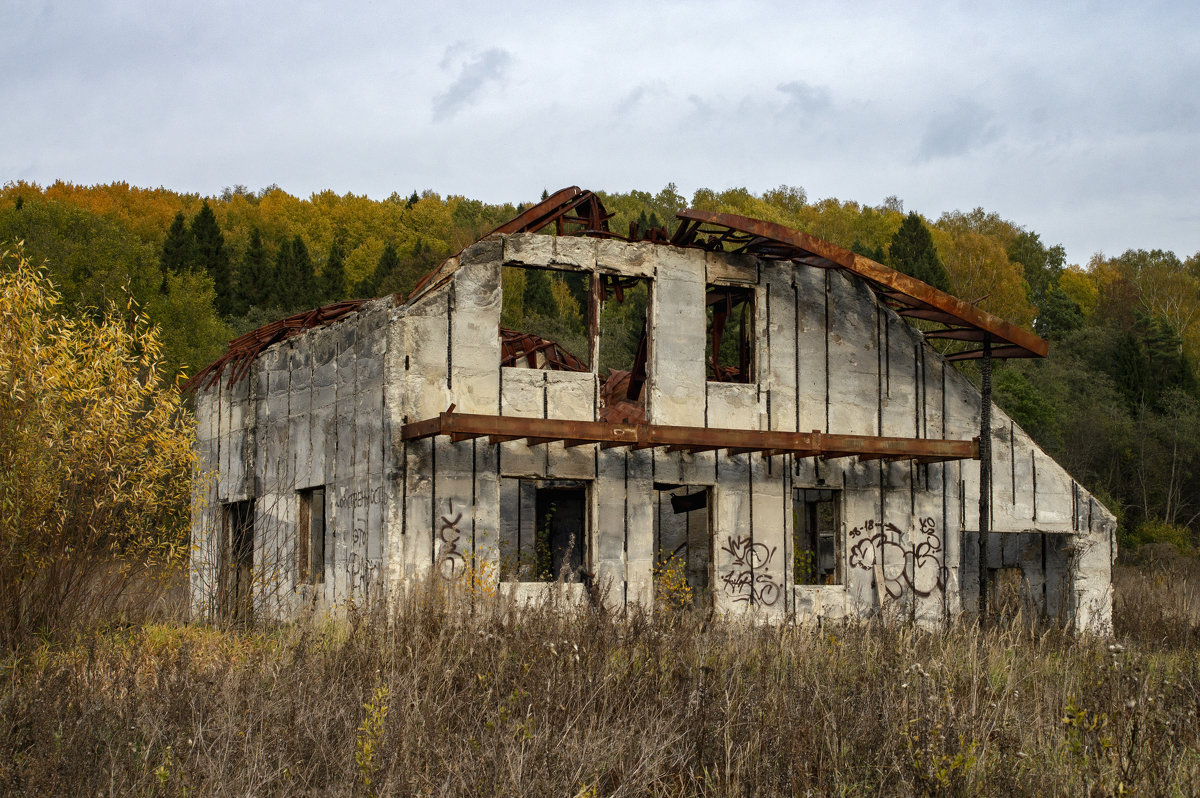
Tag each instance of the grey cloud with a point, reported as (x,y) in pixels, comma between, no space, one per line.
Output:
(489,66)
(631,100)
(804,97)
(956,130)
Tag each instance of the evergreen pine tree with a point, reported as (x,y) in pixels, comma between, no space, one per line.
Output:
(912,252)
(333,276)
(413,199)
(212,256)
(876,254)
(256,274)
(538,299)
(178,250)
(284,286)
(643,224)
(545,195)
(306,286)
(389,261)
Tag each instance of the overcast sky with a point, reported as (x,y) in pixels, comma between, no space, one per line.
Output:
(1078,121)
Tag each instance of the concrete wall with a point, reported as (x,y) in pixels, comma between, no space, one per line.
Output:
(828,357)
(310,414)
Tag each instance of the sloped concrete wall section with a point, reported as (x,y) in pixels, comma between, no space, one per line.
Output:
(324,410)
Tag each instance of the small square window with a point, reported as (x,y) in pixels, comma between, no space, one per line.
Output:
(815,535)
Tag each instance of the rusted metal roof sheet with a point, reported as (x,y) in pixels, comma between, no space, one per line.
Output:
(243,350)
(536,352)
(906,295)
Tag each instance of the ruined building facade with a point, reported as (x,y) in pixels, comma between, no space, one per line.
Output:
(741,408)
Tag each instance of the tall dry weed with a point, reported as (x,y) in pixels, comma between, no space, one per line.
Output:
(480,698)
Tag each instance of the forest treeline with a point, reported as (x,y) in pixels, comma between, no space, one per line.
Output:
(1117,402)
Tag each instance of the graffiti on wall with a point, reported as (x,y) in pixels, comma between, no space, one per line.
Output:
(917,569)
(747,577)
(360,498)
(359,567)
(450,561)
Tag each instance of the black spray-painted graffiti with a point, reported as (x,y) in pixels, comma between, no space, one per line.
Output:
(747,577)
(359,567)
(360,498)
(450,561)
(918,569)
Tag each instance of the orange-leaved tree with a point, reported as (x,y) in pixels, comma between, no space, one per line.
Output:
(95,458)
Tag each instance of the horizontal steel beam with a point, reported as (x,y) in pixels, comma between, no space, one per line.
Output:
(465,426)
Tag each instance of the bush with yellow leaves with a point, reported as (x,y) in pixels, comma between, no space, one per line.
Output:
(95,459)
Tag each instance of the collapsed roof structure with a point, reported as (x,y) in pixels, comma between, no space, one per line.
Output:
(741,401)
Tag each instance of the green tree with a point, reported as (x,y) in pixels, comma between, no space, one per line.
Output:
(178,250)
(389,264)
(876,254)
(286,285)
(212,256)
(256,282)
(912,252)
(538,299)
(333,276)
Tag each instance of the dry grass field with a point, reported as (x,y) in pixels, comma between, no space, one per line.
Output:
(446,699)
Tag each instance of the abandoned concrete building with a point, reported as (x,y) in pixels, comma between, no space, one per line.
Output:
(576,414)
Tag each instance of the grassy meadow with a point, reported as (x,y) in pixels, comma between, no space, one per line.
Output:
(443,697)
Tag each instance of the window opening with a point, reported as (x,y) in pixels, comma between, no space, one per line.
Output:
(729,347)
(543,530)
(237,561)
(623,348)
(816,548)
(683,546)
(560,534)
(310,538)
(544,318)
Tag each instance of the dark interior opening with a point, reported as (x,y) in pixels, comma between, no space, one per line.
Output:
(310,537)
(237,532)
(559,545)
(815,537)
(729,346)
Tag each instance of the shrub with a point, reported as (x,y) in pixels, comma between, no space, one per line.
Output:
(95,455)
(1153,531)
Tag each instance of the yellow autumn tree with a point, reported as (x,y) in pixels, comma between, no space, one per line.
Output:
(95,458)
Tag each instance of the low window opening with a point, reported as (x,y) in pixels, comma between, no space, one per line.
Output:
(559,536)
(683,546)
(729,345)
(816,551)
(310,538)
(623,348)
(544,319)
(543,530)
(237,561)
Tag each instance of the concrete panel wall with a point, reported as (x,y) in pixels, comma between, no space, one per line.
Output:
(326,408)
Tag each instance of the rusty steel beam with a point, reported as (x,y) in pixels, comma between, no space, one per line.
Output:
(998,352)
(743,230)
(691,439)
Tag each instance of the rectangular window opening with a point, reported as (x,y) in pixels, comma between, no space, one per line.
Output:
(544,531)
(310,538)
(544,319)
(816,552)
(729,344)
(623,348)
(683,546)
(237,561)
